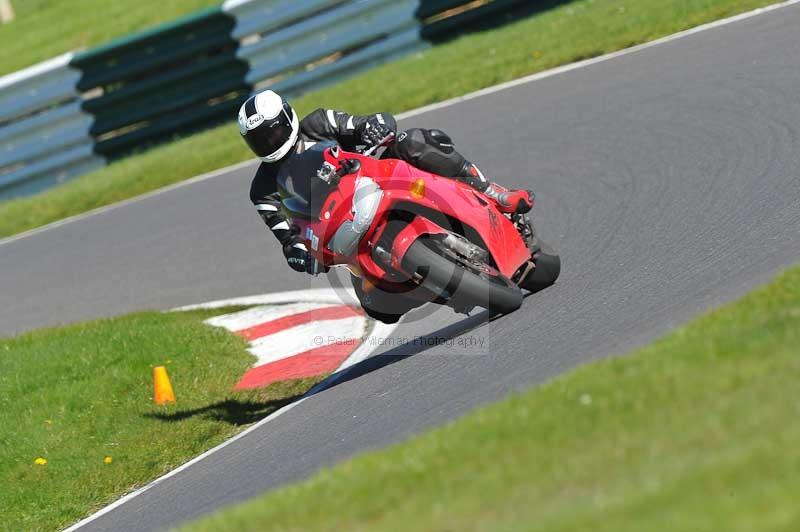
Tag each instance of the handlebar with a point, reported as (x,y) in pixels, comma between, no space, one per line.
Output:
(385,141)
(351,166)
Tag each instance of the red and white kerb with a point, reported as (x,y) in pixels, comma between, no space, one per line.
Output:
(295,340)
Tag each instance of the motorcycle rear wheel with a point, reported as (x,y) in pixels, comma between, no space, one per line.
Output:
(547,269)
(463,287)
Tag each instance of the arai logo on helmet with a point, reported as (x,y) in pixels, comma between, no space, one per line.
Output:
(254,121)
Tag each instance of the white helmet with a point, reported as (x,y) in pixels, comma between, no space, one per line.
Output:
(269,125)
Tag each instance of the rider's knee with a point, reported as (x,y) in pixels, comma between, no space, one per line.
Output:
(431,150)
(411,145)
(416,142)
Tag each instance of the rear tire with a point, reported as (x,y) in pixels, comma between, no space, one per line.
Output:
(462,288)
(547,269)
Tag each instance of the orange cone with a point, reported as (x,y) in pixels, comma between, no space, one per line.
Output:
(163,389)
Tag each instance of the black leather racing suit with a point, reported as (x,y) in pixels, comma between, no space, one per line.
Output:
(429,150)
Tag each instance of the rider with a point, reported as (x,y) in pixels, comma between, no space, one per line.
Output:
(272,129)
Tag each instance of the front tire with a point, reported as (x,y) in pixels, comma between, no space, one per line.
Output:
(378,304)
(462,287)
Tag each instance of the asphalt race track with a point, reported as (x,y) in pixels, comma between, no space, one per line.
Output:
(669,179)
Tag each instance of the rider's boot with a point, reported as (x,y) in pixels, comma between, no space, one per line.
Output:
(507,201)
(510,201)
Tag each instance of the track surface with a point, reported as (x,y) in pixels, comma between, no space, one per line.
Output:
(669,179)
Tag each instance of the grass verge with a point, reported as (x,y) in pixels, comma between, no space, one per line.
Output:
(563,34)
(78,394)
(696,431)
(45,28)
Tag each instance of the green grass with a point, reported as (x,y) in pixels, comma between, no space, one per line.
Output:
(75,395)
(697,431)
(45,28)
(576,30)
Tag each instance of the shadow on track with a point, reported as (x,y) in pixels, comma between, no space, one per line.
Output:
(408,350)
(232,411)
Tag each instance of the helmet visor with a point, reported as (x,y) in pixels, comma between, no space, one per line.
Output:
(270,135)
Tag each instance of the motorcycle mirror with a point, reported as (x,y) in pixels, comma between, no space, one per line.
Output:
(349,166)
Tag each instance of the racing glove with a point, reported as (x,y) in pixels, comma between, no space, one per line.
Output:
(374,130)
(300,260)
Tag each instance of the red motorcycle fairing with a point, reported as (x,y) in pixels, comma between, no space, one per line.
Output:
(444,205)
(418,227)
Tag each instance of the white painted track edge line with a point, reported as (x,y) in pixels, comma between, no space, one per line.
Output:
(428,108)
(379,330)
(311,295)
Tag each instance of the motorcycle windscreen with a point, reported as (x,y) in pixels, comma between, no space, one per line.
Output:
(302,190)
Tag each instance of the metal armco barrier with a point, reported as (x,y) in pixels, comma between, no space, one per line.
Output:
(44,134)
(70,114)
(174,79)
(283,50)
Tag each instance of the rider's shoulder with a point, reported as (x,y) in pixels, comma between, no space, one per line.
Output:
(264,182)
(318,115)
(266,174)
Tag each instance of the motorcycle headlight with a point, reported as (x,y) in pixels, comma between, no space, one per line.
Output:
(366,198)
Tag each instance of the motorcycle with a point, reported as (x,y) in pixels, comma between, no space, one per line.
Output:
(410,235)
